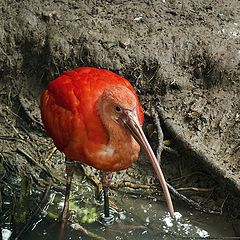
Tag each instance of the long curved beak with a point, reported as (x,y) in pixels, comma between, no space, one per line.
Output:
(129,120)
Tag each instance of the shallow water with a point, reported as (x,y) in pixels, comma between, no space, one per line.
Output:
(141,218)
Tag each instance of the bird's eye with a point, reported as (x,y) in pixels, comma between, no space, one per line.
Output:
(118,109)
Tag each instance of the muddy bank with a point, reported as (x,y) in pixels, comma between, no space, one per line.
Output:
(182,57)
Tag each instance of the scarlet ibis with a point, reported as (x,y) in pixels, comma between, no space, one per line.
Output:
(94,117)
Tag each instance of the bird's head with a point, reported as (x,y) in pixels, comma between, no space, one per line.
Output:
(119,107)
(116,102)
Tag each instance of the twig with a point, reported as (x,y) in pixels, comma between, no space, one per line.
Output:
(44,168)
(154,74)
(77,226)
(8,138)
(44,183)
(221,209)
(129,185)
(190,202)
(50,155)
(29,157)
(195,189)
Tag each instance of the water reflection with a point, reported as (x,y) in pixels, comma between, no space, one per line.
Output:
(136,219)
(182,227)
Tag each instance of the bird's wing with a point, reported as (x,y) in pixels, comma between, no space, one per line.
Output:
(68,110)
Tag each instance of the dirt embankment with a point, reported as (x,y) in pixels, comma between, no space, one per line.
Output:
(183,57)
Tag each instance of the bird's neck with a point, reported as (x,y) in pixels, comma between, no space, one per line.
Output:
(122,148)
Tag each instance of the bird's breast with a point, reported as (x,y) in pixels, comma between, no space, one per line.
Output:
(116,158)
(107,151)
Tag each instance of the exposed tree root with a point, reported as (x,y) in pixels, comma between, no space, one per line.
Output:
(175,193)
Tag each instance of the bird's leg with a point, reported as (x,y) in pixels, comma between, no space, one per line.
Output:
(107,217)
(70,168)
(105,184)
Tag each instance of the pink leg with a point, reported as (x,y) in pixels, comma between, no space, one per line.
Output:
(107,217)
(70,167)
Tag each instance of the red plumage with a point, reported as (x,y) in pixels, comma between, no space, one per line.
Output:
(68,110)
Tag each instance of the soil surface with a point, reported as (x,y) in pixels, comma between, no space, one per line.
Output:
(183,58)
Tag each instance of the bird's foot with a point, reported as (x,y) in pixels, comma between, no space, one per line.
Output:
(65,217)
(107,220)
